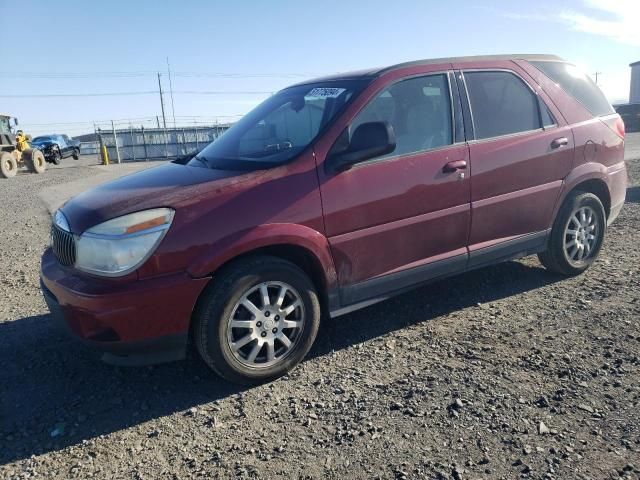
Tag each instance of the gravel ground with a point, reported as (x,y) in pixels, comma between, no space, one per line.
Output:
(506,372)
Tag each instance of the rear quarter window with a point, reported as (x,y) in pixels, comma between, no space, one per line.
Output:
(578,85)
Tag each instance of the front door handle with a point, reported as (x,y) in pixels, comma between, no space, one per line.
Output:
(455,165)
(560,142)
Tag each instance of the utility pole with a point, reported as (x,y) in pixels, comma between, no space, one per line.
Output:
(164,120)
(173,111)
(596,74)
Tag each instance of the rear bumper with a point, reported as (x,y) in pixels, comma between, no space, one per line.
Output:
(134,323)
(618,183)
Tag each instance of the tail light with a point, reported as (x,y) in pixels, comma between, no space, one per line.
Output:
(620,127)
(615,123)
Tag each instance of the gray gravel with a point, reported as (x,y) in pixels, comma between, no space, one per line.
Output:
(506,372)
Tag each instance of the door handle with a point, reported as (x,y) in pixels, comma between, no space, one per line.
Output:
(455,165)
(560,142)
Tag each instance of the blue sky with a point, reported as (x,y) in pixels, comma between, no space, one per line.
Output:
(75,46)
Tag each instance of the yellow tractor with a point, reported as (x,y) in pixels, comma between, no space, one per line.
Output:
(15,150)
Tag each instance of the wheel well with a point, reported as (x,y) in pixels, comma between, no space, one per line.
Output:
(300,257)
(599,189)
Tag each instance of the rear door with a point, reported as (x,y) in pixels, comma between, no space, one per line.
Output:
(521,149)
(393,217)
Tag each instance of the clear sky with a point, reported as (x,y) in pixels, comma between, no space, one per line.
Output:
(81,47)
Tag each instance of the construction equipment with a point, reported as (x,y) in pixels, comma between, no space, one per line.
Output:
(15,150)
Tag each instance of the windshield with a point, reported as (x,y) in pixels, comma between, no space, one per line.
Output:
(42,139)
(279,128)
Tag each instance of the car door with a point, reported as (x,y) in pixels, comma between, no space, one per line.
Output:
(401,218)
(521,149)
(67,149)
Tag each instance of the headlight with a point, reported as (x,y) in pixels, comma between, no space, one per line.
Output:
(118,246)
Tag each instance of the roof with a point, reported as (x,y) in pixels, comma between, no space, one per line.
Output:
(634,64)
(375,72)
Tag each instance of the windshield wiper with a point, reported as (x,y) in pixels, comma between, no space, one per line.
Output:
(201,160)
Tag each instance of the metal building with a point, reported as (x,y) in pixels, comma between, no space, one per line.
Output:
(634,91)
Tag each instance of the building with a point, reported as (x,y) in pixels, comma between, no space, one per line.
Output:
(634,91)
(630,112)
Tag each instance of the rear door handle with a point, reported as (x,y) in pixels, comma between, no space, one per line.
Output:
(560,142)
(455,165)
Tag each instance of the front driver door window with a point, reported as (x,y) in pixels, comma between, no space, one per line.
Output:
(418,109)
(397,211)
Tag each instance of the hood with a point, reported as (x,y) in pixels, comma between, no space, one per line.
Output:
(169,185)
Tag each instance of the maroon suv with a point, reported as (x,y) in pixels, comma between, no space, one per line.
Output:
(335,194)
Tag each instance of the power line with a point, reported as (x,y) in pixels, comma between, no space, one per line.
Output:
(63,75)
(127,120)
(106,94)
(150,92)
(222,92)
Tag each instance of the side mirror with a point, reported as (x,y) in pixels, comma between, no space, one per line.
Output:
(15,121)
(369,140)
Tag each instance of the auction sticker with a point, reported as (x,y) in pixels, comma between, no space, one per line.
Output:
(326,92)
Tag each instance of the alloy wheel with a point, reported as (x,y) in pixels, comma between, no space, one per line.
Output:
(265,324)
(581,235)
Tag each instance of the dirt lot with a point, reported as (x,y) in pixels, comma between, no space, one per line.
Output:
(506,372)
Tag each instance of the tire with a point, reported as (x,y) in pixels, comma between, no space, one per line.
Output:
(76,154)
(56,156)
(34,160)
(8,165)
(224,300)
(571,250)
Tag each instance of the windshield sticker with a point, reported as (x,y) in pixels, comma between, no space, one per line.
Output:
(325,92)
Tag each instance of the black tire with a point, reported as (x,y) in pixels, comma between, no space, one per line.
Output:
(56,156)
(76,154)
(34,160)
(218,302)
(8,165)
(556,258)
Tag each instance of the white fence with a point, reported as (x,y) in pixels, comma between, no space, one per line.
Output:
(141,144)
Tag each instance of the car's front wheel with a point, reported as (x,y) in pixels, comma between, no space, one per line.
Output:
(56,156)
(76,154)
(577,235)
(257,320)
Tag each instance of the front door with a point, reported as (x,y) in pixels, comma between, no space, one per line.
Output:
(389,218)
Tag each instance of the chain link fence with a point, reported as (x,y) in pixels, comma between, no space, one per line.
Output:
(141,144)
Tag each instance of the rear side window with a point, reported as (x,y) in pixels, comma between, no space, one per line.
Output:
(547,117)
(501,104)
(418,109)
(578,85)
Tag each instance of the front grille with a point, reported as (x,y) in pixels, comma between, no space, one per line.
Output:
(64,246)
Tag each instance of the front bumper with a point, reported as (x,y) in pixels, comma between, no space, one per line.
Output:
(134,322)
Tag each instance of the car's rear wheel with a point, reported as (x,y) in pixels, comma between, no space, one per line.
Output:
(76,154)
(257,320)
(577,235)
(8,165)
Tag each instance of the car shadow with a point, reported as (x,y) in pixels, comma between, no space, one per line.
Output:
(55,392)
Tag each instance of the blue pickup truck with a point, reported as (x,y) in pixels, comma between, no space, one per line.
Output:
(56,147)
